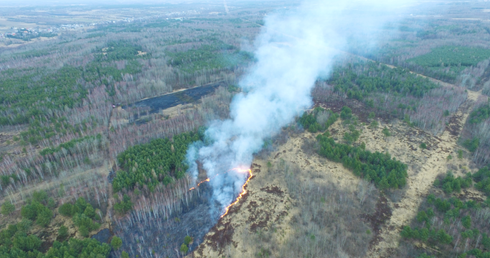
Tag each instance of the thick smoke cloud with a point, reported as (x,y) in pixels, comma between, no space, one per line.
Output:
(293,49)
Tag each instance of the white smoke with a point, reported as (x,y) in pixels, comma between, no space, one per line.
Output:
(293,49)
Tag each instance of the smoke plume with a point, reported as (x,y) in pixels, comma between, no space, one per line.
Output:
(294,48)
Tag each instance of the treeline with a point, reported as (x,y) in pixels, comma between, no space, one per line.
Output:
(452,56)
(480,114)
(17,240)
(29,36)
(318,120)
(392,93)
(84,216)
(378,168)
(16,243)
(482,179)
(476,132)
(68,145)
(360,79)
(452,226)
(159,161)
(217,55)
(34,92)
(117,50)
(450,184)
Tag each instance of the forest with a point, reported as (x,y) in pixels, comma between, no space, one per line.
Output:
(476,136)
(446,220)
(79,156)
(217,55)
(392,93)
(159,161)
(318,120)
(380,168)
(16,240)
(360,79)
(448,56)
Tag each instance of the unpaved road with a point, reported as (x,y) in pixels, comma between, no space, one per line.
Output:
(421,182)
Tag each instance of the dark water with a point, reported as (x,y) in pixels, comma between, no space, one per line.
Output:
(157,104)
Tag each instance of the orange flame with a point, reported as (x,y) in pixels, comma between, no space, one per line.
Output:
(205,180)
(241,170)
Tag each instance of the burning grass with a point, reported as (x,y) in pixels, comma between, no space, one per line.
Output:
(297,208)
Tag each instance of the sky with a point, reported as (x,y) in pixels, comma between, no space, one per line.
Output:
(105,2)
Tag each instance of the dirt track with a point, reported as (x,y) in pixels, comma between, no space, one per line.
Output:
(419,182)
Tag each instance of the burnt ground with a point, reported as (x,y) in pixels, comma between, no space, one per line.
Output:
(221,234)
(358,108)
(377,219)
(456,121)
(164,236)
(156,104)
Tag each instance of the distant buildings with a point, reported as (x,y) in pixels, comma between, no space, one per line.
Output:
(29,33)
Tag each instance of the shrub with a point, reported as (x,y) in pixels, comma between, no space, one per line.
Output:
(346,113)
(44,217)
(124,206)
(89,212)
(51,203)
(184,248)
(7,208)
(443,237)
(116,242)
(62,232)
(466,221)
(451,184)
(187,240)
(318,120)
(40,196)
(472,144)
(374,124)
(482,179)
(84,231)
(37,211)
(66,209)
(386,132)
(371,115)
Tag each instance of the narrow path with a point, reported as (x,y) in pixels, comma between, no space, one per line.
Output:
(421,181)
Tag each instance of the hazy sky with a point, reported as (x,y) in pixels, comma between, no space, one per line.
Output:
(105,2)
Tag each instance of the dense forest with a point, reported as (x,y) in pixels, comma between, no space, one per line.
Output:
(159,161)
(448,56)
(381,169)
(17,241)
(361,79)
